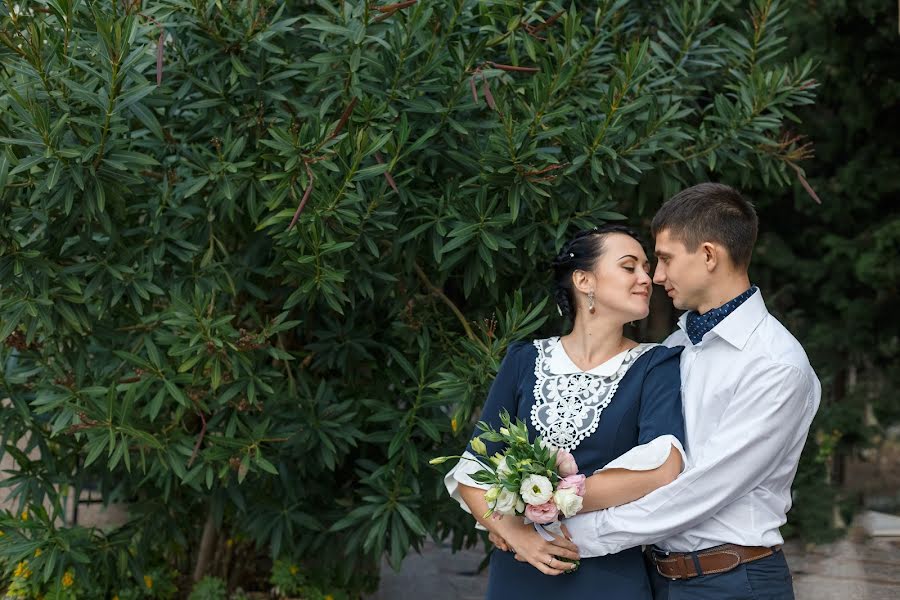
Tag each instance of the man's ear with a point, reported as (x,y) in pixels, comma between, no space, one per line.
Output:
(712,254)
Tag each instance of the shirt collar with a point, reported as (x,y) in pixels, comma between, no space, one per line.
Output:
(737,327)
(561,364)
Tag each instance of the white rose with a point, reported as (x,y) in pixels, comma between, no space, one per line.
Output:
(536,489)
(568,501)
(507,502)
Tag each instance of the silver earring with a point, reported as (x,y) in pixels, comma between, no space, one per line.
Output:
(559,309)
(591,302)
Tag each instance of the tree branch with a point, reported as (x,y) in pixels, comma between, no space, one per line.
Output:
(440,294)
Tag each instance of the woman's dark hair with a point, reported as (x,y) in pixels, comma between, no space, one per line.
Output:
(580,254)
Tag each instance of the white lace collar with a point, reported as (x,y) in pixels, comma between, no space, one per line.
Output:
(568,401)
(559,362)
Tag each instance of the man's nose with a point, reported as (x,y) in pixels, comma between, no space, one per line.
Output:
(659,274)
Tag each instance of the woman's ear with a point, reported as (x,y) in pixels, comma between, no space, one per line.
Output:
(711,255)
(581,280)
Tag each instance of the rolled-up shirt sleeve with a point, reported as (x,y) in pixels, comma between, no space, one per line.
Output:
(760,422)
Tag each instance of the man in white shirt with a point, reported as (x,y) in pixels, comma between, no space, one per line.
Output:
(749,397)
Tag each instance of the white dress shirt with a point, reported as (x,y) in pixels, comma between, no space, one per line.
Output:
(749,396)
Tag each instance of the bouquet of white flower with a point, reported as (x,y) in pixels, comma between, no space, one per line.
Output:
(531,479)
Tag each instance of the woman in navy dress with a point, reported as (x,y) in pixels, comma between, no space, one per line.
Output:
(613,403)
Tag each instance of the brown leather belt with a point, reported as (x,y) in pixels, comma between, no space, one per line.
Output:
(719,559)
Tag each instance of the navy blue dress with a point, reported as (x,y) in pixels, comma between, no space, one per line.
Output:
(645,405)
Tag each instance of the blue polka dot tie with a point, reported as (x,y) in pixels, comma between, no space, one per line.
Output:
(698,325)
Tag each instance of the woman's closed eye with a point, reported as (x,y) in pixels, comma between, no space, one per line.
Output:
(632,268)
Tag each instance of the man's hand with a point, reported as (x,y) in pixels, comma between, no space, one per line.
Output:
(499,542)
(530,547)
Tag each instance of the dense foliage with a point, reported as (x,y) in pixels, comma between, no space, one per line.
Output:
(833,267)
(260,260)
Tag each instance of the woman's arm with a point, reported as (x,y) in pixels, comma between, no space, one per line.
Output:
(533,548)
(522,538)
(659,458)
(613,487)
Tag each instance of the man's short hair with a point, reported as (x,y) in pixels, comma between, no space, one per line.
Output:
(710,212)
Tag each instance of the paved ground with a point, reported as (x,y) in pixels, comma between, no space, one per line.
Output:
(845,570)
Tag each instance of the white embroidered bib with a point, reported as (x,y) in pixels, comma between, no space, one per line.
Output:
(568,401)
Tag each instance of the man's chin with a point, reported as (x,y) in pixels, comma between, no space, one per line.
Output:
(680,305)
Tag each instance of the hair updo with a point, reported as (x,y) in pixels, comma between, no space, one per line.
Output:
(580,254)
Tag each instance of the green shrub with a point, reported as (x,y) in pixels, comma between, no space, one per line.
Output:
(209,588)
(181,336)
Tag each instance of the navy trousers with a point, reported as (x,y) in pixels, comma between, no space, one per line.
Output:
(764,579)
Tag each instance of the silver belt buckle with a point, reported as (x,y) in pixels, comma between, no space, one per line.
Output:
(656,551)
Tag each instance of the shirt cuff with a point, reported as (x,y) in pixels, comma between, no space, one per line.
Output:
(462,474)
(649,456)
(586,531)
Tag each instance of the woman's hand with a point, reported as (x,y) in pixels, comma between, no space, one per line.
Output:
(498,541)
(510,533)
(543,555)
